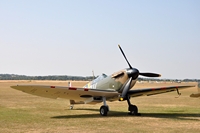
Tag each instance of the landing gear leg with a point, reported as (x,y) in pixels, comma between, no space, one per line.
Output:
(132,108)
(104,108)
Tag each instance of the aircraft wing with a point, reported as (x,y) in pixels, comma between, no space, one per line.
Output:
(80,94)
(154,91)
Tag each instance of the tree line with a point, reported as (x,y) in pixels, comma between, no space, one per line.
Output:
(87,78)
(50,77)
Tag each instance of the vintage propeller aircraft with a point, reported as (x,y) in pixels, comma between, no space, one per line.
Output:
(104,88)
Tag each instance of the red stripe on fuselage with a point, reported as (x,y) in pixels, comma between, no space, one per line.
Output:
(86,89)
(71,88)
(53,87)
(163,88)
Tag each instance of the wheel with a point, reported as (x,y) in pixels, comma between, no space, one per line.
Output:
(71,107)
(104,110)
(133,110)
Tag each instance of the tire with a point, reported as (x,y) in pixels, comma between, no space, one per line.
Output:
(71,107)
(103,110)
(133,110)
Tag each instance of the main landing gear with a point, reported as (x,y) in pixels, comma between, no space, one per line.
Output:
(104,108)
(132,108)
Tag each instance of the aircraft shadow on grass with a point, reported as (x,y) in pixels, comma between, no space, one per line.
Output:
(171,115)
(178,116)
(111,114)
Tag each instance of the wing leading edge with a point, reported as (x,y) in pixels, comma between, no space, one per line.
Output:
(80,94)
(154,91)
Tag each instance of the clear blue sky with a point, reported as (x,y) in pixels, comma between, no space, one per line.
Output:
(74,37)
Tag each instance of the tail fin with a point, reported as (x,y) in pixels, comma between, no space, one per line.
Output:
(196,95)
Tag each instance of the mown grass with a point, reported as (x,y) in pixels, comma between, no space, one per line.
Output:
(21,112)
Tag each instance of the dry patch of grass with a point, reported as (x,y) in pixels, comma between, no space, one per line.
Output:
(21,112)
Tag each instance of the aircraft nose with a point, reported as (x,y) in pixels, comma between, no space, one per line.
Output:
(133,72)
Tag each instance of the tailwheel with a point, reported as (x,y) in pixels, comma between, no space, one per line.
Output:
(71,107)
(133,110)
(104,110)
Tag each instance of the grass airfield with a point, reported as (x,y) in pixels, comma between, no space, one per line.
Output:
(21,112)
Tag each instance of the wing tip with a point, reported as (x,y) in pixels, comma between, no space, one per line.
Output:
(14,87)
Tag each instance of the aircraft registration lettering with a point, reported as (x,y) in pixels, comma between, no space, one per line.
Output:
(93,86)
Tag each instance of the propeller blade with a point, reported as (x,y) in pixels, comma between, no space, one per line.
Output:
(125,57)
(125,90)
(150,74)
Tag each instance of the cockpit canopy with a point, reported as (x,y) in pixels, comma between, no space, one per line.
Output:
(92,84)
(100,77)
